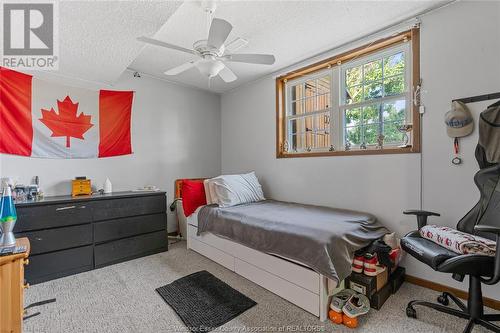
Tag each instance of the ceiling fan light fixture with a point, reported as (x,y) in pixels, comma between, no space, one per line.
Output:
(209,67)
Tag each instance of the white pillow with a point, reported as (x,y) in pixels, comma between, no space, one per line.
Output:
(232,190)
(210,191)
(208,195)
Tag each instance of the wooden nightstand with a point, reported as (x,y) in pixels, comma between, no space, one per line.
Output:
(12,289)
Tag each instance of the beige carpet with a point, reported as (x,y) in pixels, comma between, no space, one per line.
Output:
(122,298)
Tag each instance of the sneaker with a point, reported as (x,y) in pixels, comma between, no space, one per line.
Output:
(340,299)
(356,305)
(371,265)
(358,263)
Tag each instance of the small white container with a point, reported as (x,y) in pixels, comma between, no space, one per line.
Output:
(108,187)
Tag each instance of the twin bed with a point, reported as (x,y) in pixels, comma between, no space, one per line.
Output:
(299,252)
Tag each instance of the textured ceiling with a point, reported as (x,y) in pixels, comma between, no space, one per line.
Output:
(291,30)
(97,39)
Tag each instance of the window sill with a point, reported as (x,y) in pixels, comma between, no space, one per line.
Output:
(354,152)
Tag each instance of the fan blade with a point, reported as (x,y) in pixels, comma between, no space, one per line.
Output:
(263,59)
(219,30)
(227,75)
(181,68)
(157,42)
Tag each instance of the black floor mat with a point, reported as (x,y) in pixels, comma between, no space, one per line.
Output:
(204,302)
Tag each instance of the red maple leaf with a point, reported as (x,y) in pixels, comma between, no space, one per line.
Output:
(66,123)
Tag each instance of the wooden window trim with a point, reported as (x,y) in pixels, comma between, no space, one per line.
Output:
(412,36)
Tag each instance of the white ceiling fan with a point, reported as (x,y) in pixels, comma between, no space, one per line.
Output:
(212,51)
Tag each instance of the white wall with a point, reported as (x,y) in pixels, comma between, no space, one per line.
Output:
(175,134)
(460,47)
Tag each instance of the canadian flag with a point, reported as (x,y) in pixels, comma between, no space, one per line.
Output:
(43,119)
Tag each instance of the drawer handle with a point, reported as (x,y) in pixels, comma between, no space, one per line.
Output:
(38,238)
(65,208)
(82,207)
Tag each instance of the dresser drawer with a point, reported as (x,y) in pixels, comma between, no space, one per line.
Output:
(44,267)
(129,248)
(129,226)
(50,216)
(43,241)
(116,208)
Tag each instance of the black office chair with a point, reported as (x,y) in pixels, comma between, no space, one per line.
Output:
(482,220)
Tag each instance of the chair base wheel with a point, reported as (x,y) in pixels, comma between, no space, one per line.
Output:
(443,299)
(411,312)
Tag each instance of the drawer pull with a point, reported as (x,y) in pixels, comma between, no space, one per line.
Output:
(65,208)
(38,238)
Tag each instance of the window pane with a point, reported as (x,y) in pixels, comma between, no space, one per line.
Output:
(298,91)
(394,64)
(308,124)
(310,104)
(297,142)
(354,94)
(297,107)
(373,90)
(391,133)
(322,140)
(311,88)
(353,76)
(352,117)
(394,85)
(395,111)
(322,123)
(371,114)
(297,126)
(323,101)
(371,134)
(394,116)
(324,85)
(373,71)
(309,143)
(353,135)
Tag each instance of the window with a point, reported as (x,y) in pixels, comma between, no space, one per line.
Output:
(357,103)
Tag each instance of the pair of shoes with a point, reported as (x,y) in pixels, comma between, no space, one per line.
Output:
(367,263)
(346,306)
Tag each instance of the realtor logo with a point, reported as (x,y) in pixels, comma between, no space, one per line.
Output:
(30,35)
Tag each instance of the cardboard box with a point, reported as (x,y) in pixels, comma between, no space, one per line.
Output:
(378,299)
(367,285)
(396,279)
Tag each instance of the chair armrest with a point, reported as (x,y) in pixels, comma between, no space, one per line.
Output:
(496,268)
(487,228)
(420,213)
(422,216)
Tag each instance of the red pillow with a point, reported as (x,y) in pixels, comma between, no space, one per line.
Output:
(193,196)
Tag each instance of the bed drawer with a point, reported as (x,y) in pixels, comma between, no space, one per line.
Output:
(215,241)
(299,296)
(289,271)
(212,253)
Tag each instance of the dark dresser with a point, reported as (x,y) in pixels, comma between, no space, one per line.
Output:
(72,235)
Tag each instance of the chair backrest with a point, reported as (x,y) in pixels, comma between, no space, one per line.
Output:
(487,179)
